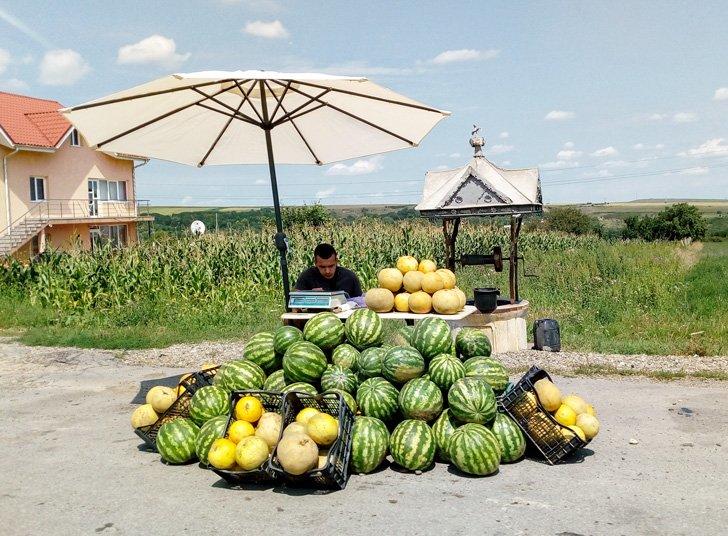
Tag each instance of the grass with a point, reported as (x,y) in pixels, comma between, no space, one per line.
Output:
(665,375)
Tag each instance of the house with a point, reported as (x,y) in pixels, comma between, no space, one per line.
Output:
(55,190)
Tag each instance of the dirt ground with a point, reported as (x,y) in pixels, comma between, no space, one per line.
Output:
(72,465)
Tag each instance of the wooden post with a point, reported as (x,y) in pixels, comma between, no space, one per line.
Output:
(451,236)
(513,264)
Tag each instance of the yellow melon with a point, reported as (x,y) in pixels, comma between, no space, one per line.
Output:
(161,397)
(401,302)
(251,452)
(380,300)
(249,408)
(412,281)
(432,282)
(576,403)
(305,415)
(565,415)
(390,278)
(446,302)
(448,278)
(548,394)
(589,424)
(590,410)
(269,428)
(297,453)
(144,415)
(406,264)
(323,429)
(222,454)
(295,428)
(461,296)
(426,266)
(420,302)
(239,430)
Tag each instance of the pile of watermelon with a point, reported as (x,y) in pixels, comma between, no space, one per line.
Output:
(423,394)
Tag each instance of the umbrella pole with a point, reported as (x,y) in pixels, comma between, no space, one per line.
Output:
(280,238)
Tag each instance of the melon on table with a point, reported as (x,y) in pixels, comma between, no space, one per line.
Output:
(380,300)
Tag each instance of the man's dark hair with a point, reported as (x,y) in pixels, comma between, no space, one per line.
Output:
(324,251)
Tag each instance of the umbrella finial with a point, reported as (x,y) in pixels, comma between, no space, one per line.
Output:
(477,142)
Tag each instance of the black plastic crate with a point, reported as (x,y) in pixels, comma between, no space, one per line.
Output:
(179,408)
(271,402)
(537,424)
(198,379)
(335,473)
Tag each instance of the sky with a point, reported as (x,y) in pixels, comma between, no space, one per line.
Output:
(613,101)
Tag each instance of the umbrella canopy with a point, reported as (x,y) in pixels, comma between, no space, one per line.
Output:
(254,117)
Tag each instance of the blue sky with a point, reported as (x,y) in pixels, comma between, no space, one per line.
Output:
(613,102)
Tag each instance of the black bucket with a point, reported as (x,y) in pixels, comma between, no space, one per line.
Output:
(546,335)
(486,299)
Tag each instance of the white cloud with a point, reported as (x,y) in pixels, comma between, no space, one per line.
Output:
(363,166)
(569,145)
(568,154)
(560,164)
(13,84)
(454,155)
(24,29)
(261,181)
(598,174)
(62,67)
(698,170)
(155,49)
(660,146)
(268,30)
(325,193)
(500,148)
(657,117)
(721,93)
(4,60)
(464,54)
(503,135)
(684,117)
(716,146)
(559,115)
(606,151)
(638,146)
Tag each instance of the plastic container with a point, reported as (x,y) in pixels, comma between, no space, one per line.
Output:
(335,473)
(198,379)
(179,408)
(271,402)
(546,335)
(542,430)
(486,299)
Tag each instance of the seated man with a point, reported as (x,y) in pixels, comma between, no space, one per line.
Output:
(327,275)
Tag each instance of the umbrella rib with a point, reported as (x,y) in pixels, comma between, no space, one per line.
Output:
(295,110)
(224,129)
(291,117)
(283,96)
(247,98)
(239,117)
(280,103)
(158,118)
(237,112)
(354,116)
(372,97)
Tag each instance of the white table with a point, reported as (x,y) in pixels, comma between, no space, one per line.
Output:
(408,317)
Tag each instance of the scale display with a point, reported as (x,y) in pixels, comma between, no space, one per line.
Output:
(311,299)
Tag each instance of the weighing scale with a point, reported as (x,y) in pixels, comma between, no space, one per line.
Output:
(313,299)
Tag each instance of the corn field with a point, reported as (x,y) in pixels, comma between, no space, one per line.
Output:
(233,267)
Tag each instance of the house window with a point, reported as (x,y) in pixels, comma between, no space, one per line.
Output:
(112,190)
(108,234)
(75,138)
(37,189)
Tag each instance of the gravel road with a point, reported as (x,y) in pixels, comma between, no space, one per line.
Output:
(72,465)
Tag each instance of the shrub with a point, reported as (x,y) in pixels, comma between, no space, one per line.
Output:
(572,220)
(672,223)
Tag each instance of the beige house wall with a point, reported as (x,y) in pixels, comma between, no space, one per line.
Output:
(68,237)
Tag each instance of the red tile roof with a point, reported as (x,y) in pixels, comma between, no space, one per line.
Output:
(31,121)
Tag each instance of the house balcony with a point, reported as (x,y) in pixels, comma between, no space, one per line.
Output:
(70,211)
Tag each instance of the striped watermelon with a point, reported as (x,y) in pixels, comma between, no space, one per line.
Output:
(402,337)
(346,356)
(285,336)
(176,440)
(213,429)
(369,362)
(471,342)
(300,387)
(338,377)
(431,336)
(412,445)
(275,382)
(304,362)
(369,443)
(402,363)
(420,399)
(443,429)
(208,402)
(240,375)
(472,400)
(260,351)
(510,438)
(325,330)
(364,329)
(474,450)
(348,398)
(488,368)
(376,397)
(444,370)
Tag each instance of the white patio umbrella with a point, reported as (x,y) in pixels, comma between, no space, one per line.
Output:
(255,117)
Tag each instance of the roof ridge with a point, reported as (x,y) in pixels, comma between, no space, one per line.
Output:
(29,97)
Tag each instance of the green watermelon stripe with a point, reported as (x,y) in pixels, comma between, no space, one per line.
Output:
(474,449)
(442,431)
(420,399)
(472,400)
(412,445)
(304,362)
(376,397)
(363,329)
(176,440)
(370,439)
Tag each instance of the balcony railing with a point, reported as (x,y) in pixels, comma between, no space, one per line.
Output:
(60,209)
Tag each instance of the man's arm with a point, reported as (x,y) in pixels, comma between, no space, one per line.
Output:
(356,287)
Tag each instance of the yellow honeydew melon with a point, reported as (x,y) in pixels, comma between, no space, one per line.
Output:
(576,403)
(251,452)
(578,431)
(401,301)
(589,424)
(269,428)
(295,428)
(565,415)
(448,278)
(412,281)
(590,410)
(426,266)
(380,300)
(461,296)
(144,415)
(323,429)
(297,453)
(305,415)
(406,264)
(161,397)
(432,282)
(390,278)
(222,454)
(548,394)
(446,302)
(420,302)
(239,430)
(323,459)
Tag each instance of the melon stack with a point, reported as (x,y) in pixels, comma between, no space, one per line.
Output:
(417,288)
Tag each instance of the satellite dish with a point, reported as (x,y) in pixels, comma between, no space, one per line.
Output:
(197,228)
